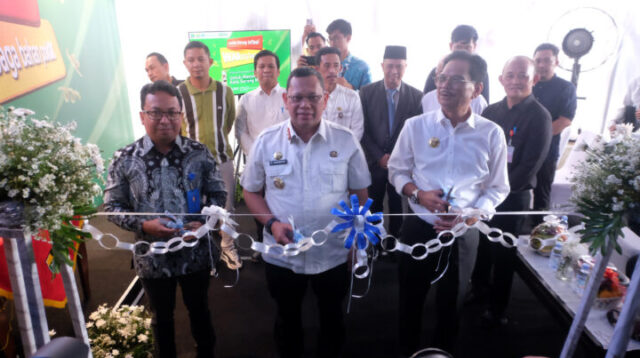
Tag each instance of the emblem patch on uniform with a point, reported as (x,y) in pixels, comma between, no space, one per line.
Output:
(279,183)
(333,154)
(277,155)
(434,142)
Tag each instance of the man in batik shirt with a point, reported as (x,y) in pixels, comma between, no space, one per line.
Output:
(165,172)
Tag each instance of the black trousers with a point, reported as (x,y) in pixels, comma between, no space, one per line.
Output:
(162,299)
(493,271)
(415,278)
(542,191)
(379,187)
(288,289)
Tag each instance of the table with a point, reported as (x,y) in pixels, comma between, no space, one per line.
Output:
(560,299)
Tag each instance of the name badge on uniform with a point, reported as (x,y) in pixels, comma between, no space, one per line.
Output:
(278,162)
(510,150)
(193,201)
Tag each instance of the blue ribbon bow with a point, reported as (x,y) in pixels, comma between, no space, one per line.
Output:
(357,220)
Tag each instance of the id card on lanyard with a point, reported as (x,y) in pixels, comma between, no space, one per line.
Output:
(511,148)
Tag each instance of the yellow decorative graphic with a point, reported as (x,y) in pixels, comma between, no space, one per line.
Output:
(29,59)
(235,58)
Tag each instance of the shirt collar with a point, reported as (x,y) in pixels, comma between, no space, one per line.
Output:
(347,59)
(147,144)
(471,121)
(321,132)
(274,90)
(193,90)
(518,107)
(387,88)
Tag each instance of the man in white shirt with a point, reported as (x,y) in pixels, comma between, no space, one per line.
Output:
(451,151)
(264,106)
(344,105)
(305,166)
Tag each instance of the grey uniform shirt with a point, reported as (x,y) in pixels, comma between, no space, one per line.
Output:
(304,181)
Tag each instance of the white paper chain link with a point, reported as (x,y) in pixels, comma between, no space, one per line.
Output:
(471,218)
(187,239)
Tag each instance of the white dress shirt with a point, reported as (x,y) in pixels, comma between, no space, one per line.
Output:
(430,103)
(316,176)
(258,110)
(344,107)
(471,158)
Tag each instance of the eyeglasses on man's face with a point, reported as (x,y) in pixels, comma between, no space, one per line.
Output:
(314,98)
(157,115)
(455,80)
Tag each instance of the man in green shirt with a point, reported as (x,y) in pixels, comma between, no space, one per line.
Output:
(209,114)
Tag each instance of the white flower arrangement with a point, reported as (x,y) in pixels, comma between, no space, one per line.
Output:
(123,332)
(606,186)
(51,172)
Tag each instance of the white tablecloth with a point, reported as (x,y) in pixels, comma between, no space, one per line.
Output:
(597,325)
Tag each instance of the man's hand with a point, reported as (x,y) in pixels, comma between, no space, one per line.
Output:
(343,82)
(445,222)
(308,28)
(302,62)
(282,232)
(156,228)
(432,200)
(384,161)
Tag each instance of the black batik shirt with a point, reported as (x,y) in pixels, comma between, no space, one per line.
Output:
(141,179)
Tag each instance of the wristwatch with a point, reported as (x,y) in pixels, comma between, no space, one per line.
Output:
(269,223)
(414,196)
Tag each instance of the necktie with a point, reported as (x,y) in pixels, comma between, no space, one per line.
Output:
(391,108)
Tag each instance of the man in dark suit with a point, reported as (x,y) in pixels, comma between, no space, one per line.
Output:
(386,104)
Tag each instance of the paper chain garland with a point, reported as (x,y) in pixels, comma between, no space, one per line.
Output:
(359,226)
(357,219)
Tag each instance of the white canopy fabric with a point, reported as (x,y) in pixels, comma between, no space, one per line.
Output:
(506,28)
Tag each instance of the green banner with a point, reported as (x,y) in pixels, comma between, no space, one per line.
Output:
(62,59)
(232,53)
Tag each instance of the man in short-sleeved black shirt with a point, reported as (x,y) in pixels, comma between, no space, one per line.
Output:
(558,96)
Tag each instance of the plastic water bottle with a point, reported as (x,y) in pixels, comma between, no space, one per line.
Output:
(556,256)
(582,277)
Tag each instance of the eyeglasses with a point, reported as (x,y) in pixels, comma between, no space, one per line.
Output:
(157,115)
(314,98)
(455,80)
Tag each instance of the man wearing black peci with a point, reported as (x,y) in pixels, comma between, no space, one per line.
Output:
(386,105)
